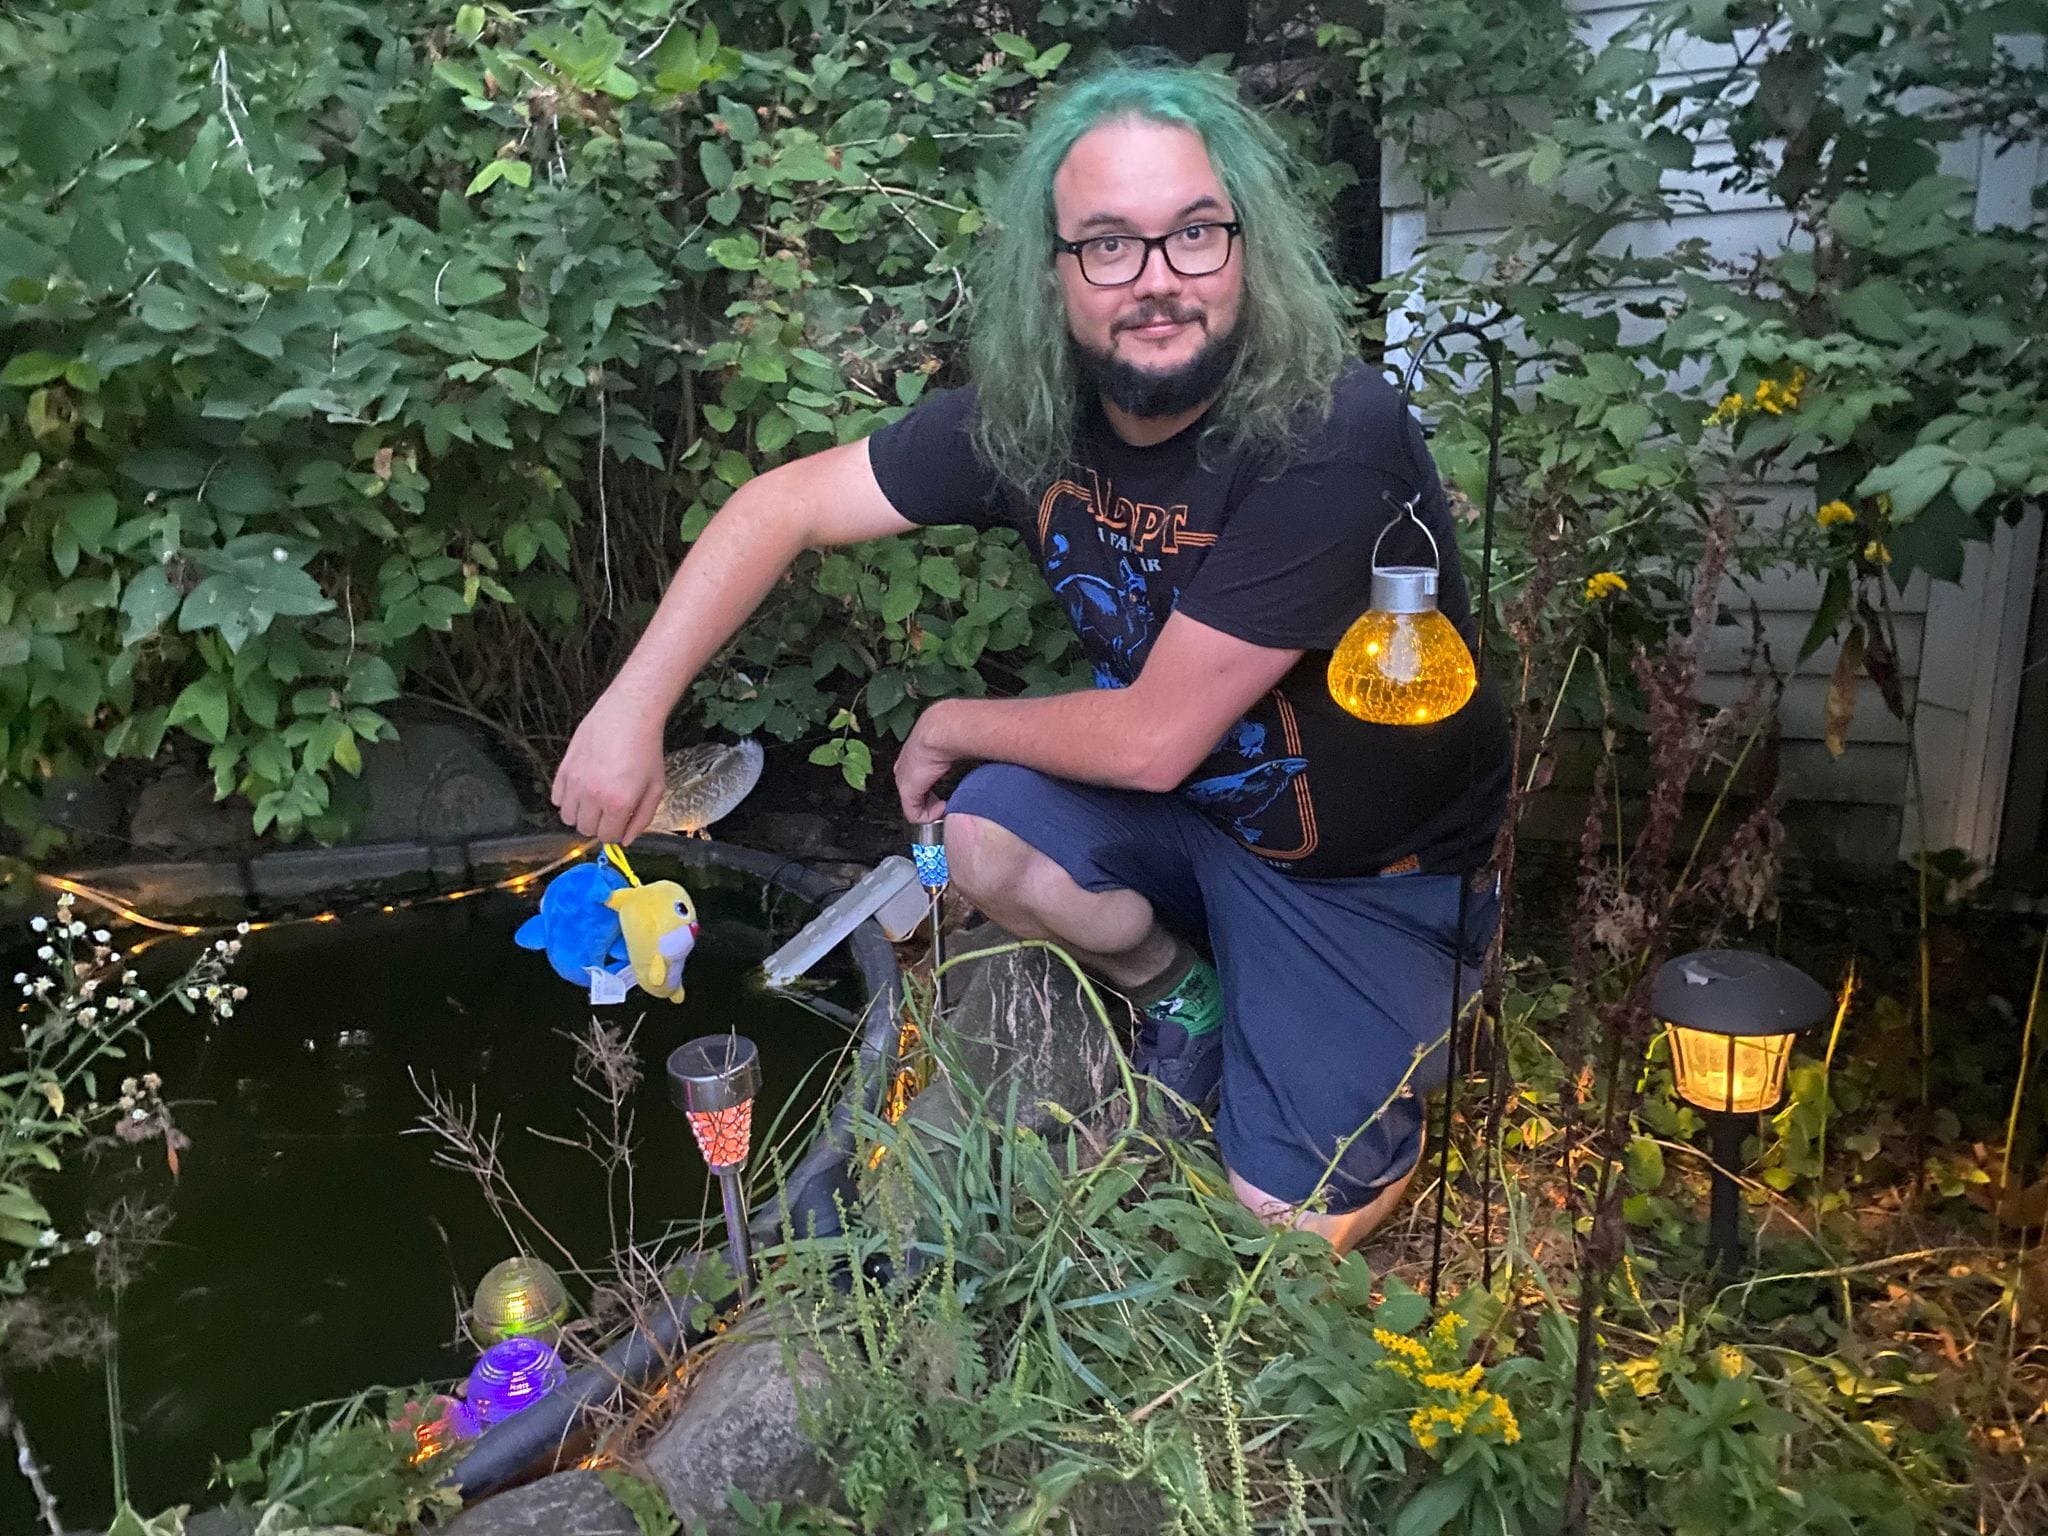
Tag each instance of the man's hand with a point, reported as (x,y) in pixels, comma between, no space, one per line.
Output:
(924,760)
(610,781)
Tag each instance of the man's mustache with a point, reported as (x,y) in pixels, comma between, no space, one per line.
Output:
(1152,316)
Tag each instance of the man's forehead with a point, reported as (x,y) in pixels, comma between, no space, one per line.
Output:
(1129,172)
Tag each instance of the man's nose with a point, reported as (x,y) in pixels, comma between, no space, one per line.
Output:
(1155,278)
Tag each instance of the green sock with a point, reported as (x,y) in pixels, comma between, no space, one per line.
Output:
(1186,993)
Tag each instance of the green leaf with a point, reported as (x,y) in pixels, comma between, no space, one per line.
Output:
(20,1205)
(166,469)
(1434,1507)
(90,517)
(1827,618)
(1972,487)
(29,369)
(942,575)
(148,601)
(203,708)
(733,469)
(715,163)
(1016,47)
(867,121)
(469,23)
(773,432)
(461,76)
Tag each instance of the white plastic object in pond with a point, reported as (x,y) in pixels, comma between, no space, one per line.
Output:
(889,893)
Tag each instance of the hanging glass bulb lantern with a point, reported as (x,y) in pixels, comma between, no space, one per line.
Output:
(512,1376)
(520,1296)
(1402,662)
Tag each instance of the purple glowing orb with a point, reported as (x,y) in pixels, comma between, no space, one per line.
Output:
(512,1376)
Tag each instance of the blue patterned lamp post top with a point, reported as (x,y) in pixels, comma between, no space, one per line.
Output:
(928,853)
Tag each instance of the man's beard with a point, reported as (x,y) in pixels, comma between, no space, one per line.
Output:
(1144,392)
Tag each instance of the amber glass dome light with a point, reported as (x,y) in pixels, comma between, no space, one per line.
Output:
(1402,662)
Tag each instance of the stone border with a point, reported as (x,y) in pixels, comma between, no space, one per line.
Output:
(811,1193)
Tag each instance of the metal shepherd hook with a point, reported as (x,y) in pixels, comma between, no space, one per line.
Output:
(1482,610)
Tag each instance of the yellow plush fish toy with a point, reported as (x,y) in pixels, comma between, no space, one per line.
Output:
(660,924)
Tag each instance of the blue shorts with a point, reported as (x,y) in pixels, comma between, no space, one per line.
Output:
(1330,987)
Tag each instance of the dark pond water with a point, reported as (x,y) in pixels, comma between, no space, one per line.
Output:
(316,1248)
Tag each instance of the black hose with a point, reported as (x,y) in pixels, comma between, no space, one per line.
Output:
(809,1200)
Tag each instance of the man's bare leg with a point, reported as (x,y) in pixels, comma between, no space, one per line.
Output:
(1112,933)
(1344,1230)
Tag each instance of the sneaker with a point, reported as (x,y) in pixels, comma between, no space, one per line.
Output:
(1189,1067)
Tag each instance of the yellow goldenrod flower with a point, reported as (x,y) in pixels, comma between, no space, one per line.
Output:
(1730,1361)
(1876,553)
(1604,584)
(1730,409)
(1834,512)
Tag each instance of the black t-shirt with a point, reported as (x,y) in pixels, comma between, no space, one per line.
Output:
(1127,535)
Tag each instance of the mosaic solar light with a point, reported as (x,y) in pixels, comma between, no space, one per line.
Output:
(714,1080)
(521,1296)
(1732,1015)
(1402,662)
(928,853)
(512,1376)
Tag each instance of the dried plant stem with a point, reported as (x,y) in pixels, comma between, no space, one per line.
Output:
(25,1460)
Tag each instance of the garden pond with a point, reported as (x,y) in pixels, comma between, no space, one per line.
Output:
(317,1247)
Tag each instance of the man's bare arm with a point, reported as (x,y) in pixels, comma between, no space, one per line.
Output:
(610,780)
(1197,682)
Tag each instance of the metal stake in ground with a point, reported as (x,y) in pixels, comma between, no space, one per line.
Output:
(928,853)
(713,1080)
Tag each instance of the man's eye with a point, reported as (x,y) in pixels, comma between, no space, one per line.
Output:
(1194,234)
(1109,245)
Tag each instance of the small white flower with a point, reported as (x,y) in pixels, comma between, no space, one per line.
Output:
(193,993)
(226,1010)
(92,1239)
(127,978)
(76,930)
(241,927)
(100,935)
(135,1114)
(87,1015)
(38,924)
(48,1238)
(279,555)
(21,978)
(46,953)
(220,946)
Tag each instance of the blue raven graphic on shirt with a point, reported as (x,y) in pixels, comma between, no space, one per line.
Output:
(1242,796)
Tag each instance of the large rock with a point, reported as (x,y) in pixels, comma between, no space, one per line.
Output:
(434,784)
(740,1427)
(177,816)
(1020,1022)
(567,1504)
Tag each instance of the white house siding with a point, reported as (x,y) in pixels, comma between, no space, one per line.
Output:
(1962,644)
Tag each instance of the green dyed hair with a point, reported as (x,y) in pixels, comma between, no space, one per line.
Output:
(1292,319)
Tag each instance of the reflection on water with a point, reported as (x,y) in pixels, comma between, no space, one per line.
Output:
(316,1247)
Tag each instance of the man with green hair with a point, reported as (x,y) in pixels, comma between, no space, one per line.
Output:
(1163,407)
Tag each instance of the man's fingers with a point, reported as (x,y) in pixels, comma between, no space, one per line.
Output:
(643,813)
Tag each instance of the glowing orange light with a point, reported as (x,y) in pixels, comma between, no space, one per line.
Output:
(1402,668)
(723,1135)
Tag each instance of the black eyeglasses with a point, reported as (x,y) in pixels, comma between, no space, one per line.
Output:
(1110,261)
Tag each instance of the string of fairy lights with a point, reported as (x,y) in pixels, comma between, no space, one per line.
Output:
(162,930)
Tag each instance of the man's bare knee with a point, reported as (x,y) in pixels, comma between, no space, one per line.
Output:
(1032,896)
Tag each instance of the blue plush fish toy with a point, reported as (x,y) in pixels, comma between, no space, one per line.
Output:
(575,928)
(602,928)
